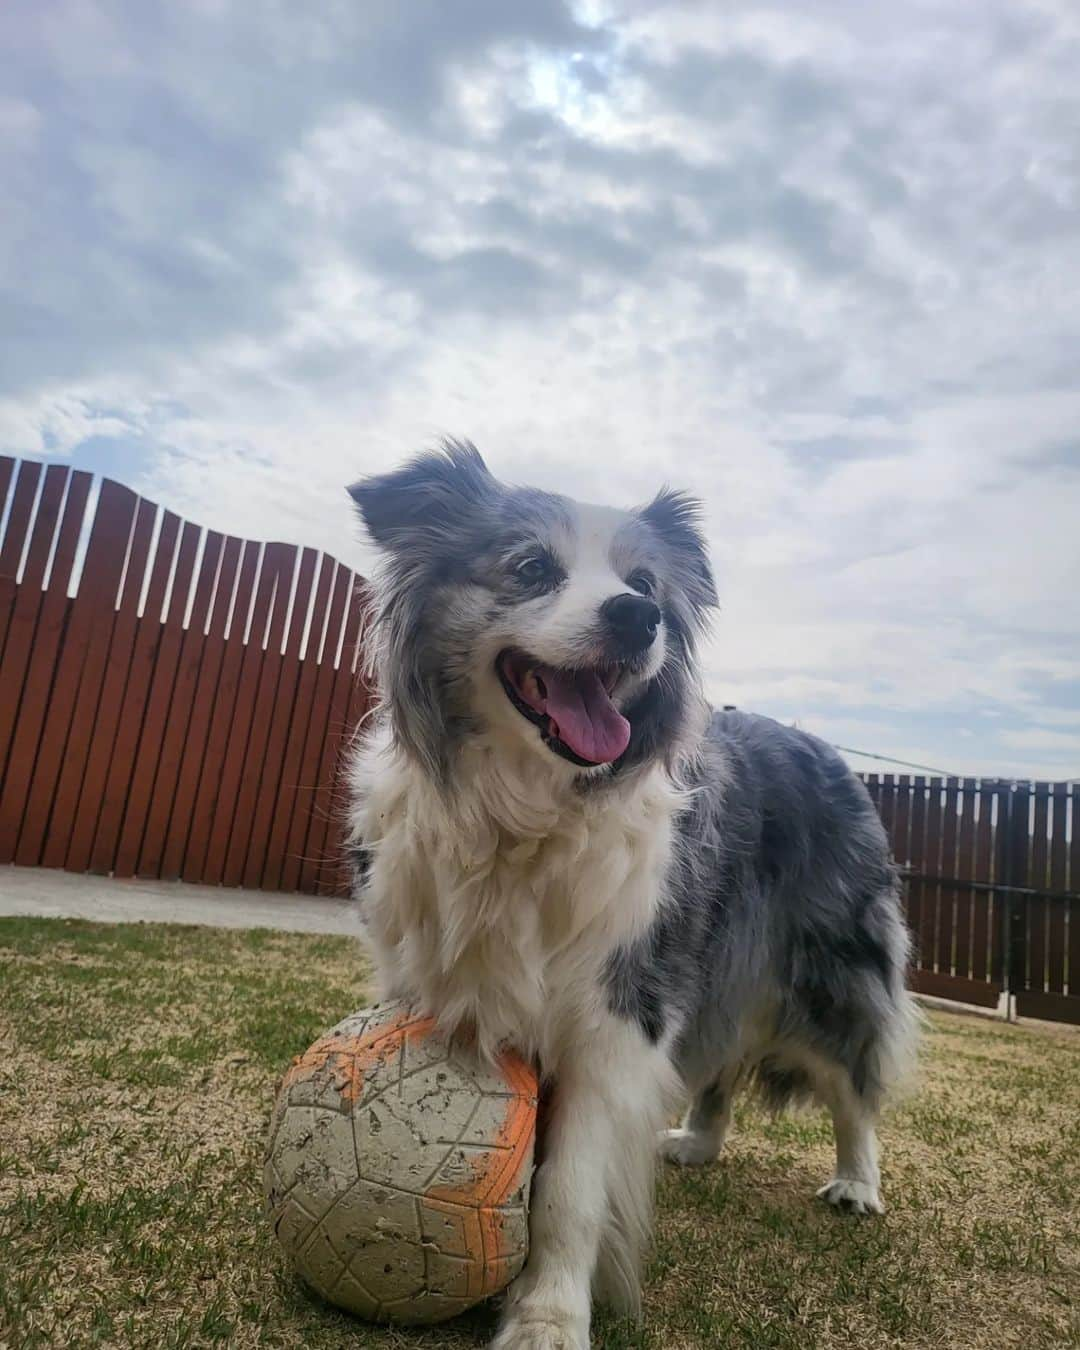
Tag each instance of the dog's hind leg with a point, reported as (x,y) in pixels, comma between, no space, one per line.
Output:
(701,1135)
(855,1185)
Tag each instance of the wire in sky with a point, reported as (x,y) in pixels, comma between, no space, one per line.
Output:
(891,759)
(907,763)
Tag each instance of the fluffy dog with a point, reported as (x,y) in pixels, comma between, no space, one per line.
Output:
(561,848)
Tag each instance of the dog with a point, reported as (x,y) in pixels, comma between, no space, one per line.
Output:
(561,848)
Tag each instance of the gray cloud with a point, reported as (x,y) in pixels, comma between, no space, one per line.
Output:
(819,264)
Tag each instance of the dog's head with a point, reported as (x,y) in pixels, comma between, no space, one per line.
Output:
(525,616)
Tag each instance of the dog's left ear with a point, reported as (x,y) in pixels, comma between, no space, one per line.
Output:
(676,518)
(428,496)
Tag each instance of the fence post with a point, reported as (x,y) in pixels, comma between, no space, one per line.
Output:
(1016,845)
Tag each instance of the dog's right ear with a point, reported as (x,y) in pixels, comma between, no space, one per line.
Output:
(428,496)
(676,518)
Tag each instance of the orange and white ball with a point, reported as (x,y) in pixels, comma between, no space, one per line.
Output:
(398,1169)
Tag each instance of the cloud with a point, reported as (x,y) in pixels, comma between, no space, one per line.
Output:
(819,266)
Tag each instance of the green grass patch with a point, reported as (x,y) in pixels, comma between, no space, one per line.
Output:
(137,1071)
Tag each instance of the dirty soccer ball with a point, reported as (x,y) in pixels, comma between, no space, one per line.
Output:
(398,1169)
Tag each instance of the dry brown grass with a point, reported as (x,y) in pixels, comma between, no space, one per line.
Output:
(137,1068)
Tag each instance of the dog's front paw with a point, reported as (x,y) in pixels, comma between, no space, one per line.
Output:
(688,1148)
(857,1197)
(542,1333)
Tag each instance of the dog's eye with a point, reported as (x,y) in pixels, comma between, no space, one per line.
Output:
(533,570)
(642,582)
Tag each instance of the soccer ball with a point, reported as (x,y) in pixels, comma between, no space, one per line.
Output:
(398,1168)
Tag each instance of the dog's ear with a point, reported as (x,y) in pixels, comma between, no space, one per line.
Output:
(676,518)
(428,496)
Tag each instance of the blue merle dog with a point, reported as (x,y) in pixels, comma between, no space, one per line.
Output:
(563,849)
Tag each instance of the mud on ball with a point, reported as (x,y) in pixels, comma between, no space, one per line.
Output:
(398,1169)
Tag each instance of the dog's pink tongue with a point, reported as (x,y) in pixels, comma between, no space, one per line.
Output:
(585,718)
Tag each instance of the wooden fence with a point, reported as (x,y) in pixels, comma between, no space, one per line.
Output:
(173,701)
(992,880)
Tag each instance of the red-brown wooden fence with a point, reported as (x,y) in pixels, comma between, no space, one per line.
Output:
(992,884)
(173,701)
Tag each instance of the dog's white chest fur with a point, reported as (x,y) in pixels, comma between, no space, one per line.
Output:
(498,909)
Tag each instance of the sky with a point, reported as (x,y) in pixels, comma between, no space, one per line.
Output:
(818,264)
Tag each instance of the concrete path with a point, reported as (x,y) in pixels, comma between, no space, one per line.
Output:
(48,893)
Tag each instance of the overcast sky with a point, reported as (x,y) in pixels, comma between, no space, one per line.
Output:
(818,263)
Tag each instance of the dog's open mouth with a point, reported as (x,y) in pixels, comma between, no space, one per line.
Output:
(572,708)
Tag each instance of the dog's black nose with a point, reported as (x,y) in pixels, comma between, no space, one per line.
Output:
(632,620)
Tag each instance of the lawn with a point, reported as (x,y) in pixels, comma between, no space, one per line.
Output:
(137,1069)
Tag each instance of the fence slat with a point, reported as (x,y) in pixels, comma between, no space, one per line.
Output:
(946,938)
(1010,868)
(1072,960)
(965,870)
(985,902)
(901,841)
(11,550)
(918,895)
(931,918)
(18,525)
(7,583)
(1057,874)
(1037,877)
(887,803)
(7,473)
(902,820)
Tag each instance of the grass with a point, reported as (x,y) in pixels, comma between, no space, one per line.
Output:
(137,1070)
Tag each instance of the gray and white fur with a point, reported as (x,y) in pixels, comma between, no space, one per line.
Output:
(561,848)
